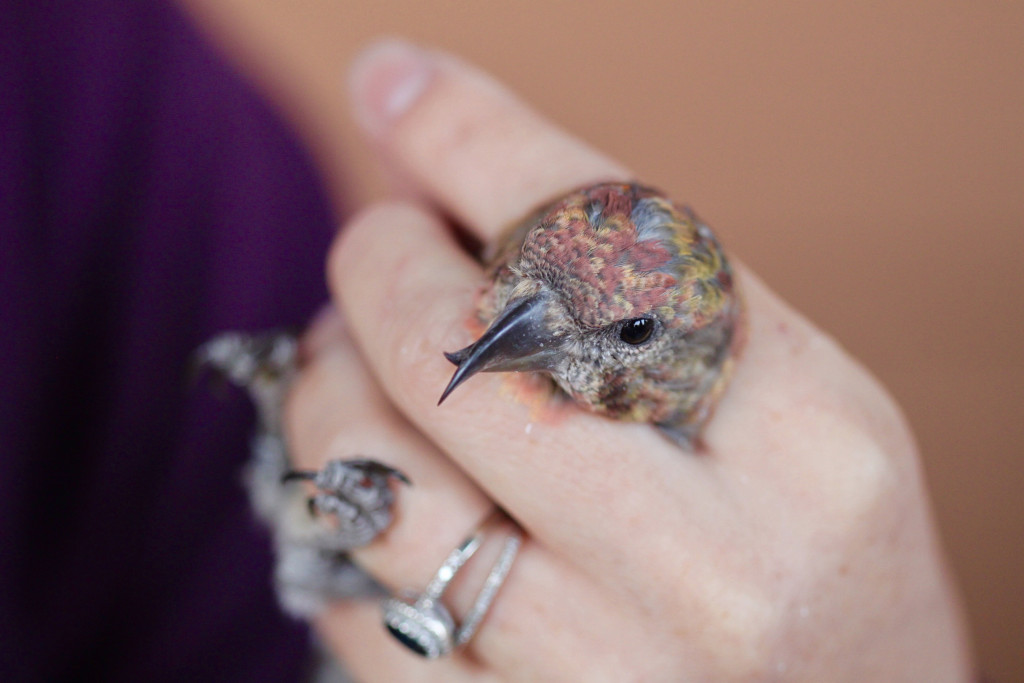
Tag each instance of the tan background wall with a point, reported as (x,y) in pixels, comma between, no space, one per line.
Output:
(867,159)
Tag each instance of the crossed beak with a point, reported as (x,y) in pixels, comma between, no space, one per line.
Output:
(521,338)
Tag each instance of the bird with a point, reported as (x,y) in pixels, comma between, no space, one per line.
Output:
(624,298)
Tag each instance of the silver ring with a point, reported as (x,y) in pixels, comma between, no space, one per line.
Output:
(423,624)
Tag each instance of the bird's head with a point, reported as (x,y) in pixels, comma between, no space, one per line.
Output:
(623,298)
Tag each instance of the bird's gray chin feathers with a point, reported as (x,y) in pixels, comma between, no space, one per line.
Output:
(521,338)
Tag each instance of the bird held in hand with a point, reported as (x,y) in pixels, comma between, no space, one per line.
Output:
(623,298)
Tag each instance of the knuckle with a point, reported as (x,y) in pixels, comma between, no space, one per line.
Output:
(861,480)
(848,470)
(730,607)
(359,245)
(853,445)
(746,624)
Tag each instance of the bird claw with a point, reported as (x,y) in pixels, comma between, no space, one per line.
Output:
(244,359)
(263,364)
(356,493)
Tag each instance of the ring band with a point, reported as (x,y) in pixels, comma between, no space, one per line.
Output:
(423,624)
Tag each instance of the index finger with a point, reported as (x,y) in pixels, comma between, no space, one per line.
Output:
(467,140)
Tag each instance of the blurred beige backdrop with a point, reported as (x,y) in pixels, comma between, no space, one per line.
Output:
(867,159)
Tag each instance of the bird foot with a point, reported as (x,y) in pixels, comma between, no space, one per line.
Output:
(263,364)
(245,358)
(356,494)
(353,500)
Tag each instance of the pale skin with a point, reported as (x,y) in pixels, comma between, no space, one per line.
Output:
(798,546)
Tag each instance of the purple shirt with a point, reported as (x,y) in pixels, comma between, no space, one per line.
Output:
(148,199)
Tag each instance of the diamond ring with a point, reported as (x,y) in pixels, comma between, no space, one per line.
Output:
(423,624)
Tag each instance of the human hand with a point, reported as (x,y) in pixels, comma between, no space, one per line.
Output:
(797,546)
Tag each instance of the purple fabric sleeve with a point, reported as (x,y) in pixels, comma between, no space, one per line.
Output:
(148,199)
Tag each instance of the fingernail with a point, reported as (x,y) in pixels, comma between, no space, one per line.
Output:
(386,80)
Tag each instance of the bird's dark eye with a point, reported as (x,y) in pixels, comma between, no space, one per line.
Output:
(636,331)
